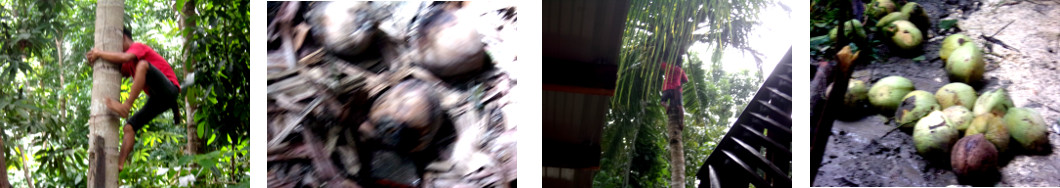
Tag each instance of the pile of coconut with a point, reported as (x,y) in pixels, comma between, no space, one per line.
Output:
(390,94)
(901,28)
(954,124)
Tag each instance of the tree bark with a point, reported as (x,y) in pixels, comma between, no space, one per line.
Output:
(677,153)
(106,83)
(62,79)
(189,62)
(25,165)
(194,144)
(4,182)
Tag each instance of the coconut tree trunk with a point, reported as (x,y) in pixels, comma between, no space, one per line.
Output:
(675,126)
(106,83)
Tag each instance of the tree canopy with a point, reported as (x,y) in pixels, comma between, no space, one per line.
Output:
(45,86)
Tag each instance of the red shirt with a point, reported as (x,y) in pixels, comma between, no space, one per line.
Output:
(144,52)
(674,76)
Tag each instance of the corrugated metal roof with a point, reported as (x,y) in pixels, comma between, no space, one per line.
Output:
(583,31)
(581,41)
(577,118)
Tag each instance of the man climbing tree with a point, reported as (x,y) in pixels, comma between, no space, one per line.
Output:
(151,74)
(672,81)
(671,100)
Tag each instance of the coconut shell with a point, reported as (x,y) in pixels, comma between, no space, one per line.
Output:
(959,116)
(880,8)
(853,28)
(974,160)
(857,94)
(1028,128)
(993,128)
(406,117)
(996,102)
(965,64)
(956,94)
(888,92)
(934,136)
(340,26)
(915,105)
(906,35)
(917,16)
(451,44)
(890,17)
(951,43)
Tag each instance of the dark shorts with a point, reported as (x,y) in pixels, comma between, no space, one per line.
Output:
(673,99)
(671,96)
(163,97)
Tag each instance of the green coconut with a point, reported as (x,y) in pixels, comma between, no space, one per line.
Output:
(890,17)
(857,94)
(917,15)
(915,105)
(853,29)
(996,102)
(959,116)
(951,43)
(934,136)
(888,92)
(992,127)
(974,160)
(965,64)
(1028,128)
(906,35)
(956,94)
(880,8)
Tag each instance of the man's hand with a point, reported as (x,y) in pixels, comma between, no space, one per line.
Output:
(91,56)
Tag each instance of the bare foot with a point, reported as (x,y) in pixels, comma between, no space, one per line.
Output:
(117,107)
(121,166)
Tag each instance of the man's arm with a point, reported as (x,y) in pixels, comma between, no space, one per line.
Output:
(113,57)
(684,77)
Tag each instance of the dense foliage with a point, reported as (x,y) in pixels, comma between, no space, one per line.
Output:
(45,89)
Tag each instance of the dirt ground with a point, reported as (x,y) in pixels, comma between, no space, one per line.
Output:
(866,152)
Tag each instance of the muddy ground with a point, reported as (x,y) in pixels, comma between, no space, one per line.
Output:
(866,152)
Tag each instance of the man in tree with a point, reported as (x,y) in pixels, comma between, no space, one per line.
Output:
(151,74)
(675,113)
(671,98)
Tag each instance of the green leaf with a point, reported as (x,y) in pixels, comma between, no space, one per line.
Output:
(201,128)
(947,24)
(919,58)
(184,160)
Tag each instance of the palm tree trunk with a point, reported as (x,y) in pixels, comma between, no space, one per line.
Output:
(675,126)
(106,83)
